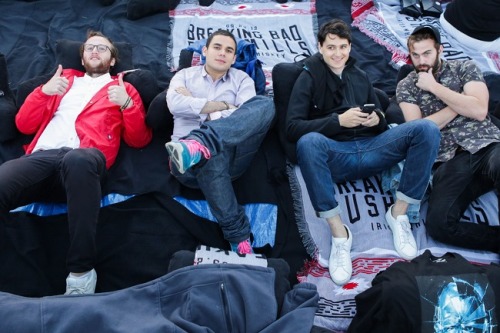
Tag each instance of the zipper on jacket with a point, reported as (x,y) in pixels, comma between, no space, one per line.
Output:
(226,308)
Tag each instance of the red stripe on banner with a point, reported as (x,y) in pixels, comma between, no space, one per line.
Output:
(244,9)
(495,57)
(359,7)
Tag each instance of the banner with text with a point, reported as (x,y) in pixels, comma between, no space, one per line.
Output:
(280,32)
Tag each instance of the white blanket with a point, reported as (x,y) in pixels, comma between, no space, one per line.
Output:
(364,205)
(381,21)
(281,32)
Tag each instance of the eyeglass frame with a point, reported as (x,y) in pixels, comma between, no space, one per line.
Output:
(96,46)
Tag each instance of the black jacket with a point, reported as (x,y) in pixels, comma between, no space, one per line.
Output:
(319,97)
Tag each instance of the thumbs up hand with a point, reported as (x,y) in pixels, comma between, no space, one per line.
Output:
(117,94)
(57,85)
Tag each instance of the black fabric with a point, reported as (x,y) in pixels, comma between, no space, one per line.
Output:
(136,238)
(144,81)
(477,19)
(431,8)
(410,8)
(8,110)
(137,9)
(68,55)
(26,87)
(107,2)
(403,297)
(284,76)
(159,117)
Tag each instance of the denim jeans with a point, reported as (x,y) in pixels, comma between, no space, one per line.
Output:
(233,142)
(456,183)
(58,175)
(324,161)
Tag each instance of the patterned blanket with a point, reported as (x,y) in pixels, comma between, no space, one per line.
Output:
(281,32)
(381,21)
(364,204)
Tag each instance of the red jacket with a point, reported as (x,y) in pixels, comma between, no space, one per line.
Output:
(100,125)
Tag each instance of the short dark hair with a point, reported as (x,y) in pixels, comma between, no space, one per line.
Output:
(93,33)
(334,27)
(222,32)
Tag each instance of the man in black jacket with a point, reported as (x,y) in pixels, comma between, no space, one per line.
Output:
(338,140)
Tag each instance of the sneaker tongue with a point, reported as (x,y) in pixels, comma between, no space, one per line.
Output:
(340,240)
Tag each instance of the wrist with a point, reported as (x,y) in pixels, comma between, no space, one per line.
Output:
(126,104)
(226,104)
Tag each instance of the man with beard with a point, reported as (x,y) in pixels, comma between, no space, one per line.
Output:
(78,120)
(453,95)
(337,141)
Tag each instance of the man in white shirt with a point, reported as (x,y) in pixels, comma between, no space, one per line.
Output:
(219,124)
(78,120)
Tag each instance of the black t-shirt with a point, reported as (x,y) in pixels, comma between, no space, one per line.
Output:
(430,294)
(479,19)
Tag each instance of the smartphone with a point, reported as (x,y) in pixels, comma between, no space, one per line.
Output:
(368,108)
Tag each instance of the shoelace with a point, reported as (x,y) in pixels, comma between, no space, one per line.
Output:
(194,148)
(244,247)
(77,291)
(405,228)
(340,253)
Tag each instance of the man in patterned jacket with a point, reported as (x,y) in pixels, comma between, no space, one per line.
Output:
(454,95)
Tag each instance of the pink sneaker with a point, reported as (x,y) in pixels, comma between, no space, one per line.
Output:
(186,153)
(243,247)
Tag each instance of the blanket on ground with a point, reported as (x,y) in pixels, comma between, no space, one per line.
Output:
(364,204)
(381,21)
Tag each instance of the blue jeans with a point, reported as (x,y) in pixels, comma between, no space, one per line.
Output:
(233,142)
(324,161)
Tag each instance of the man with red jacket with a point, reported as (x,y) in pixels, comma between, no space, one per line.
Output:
(78,120)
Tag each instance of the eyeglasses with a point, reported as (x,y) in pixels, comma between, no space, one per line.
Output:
(100,48)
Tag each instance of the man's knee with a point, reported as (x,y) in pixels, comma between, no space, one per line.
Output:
(439,225)
(429,131)
(309,143)
(81,160)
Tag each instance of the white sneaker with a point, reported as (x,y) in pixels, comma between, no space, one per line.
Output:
(404,242)
(81,285)
(339,264)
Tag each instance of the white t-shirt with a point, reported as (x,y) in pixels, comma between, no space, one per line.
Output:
(61,131)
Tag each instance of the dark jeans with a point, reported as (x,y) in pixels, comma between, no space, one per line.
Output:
(233,142)
(58,175)
(456,183)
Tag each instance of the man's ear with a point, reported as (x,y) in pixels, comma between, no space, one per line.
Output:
(204,51)
(112,62)
(440,51)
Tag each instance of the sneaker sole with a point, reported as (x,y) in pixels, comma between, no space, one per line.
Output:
(173,149)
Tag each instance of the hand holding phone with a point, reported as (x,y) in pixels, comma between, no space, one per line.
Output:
(368,108)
